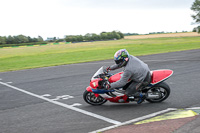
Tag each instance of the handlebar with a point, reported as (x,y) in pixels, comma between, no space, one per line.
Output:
(104,76)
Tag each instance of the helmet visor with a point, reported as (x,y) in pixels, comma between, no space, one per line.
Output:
(118,61)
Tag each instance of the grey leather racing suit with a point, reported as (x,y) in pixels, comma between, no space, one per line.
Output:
(135,70)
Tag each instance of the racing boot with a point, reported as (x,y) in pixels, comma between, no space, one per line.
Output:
(141,98)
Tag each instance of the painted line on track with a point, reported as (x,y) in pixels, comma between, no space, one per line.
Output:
(64,105)
(193,108)
(170,116)
(135,120)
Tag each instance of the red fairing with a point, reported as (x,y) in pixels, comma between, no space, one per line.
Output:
(160,75)
(89,89)
(95,83)
(116,99)
(115,77)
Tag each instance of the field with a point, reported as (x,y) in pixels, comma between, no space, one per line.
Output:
(52,55)
(186,34)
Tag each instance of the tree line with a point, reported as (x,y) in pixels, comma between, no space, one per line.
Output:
(95,37)
(196,8)
(19,39)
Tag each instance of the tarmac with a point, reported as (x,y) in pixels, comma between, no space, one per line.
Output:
(177,121)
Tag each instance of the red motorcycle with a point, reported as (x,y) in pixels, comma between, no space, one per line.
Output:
(156,91)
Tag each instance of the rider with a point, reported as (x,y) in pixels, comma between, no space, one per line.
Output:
(135,71)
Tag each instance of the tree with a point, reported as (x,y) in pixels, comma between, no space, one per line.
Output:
(40,39)
(121,34)
(88,37)
(34,39)
(196,8)
(116,35)
(10,40)
(68,39)
(79,38)
(22,39)
(103,36)
(2,40)
(95,37)
(30,39)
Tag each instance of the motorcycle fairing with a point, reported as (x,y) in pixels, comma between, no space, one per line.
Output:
(97,91)
(89,89)
(117,99)
(115,77)
(101,91)
(158,76)
(95,83)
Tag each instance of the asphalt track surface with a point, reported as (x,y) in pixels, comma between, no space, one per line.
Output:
(49,100)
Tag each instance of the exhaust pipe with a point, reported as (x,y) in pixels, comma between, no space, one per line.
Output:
(153,96)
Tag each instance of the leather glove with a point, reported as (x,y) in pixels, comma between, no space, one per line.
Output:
(107,85)
(108,69)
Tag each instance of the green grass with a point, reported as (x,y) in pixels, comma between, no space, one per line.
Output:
(51,55)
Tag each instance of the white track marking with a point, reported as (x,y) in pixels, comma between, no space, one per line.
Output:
(135,120)
(193,108)
(62,97)
(46,95)
(64,105)
(76,104)
(9,82)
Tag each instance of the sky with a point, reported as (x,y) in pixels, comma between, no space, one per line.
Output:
(57,18)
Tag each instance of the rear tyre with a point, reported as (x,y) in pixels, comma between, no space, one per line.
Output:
(90,98)
(163,89)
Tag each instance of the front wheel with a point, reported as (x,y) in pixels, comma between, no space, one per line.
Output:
(162,89)
(90,98)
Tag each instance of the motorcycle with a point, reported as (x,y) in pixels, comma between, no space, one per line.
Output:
(96,94)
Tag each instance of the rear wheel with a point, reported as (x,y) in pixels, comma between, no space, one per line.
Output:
(90,98)
(162,89)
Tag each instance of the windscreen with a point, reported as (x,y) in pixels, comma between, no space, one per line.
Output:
(101,70)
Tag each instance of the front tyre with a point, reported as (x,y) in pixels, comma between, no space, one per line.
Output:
(162,89)
(90,98)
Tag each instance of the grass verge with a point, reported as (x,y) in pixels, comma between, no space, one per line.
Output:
(51,55)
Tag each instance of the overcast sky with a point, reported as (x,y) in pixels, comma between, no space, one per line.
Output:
(49,18)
